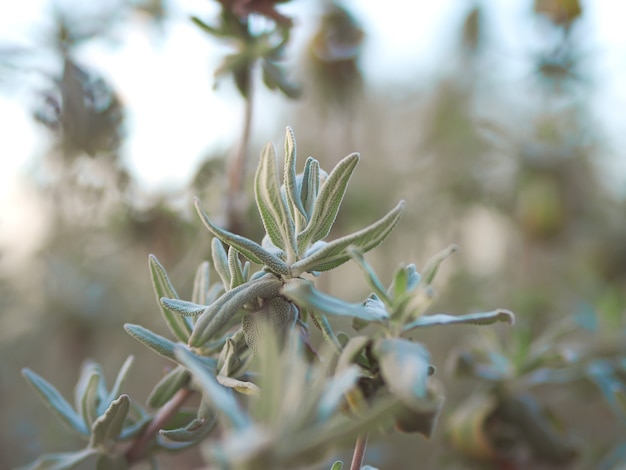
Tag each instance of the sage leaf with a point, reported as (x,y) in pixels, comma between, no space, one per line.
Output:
(328,201)
(482,318)
(195,431)
(251,250)
(247,388)
(338,465)
(167,387)
(405,367)
(220,262)
(201,285)
(157,343)
(297,211)
(219,313)
(305,295)
(85,458)
(310,185)
(433,264)
(108,426)
(89,402)
(335,390)
(222,398)
(335,253)
(370,274)
(234,266)
(119,382)
(182,307)
(53,400)
(179,326)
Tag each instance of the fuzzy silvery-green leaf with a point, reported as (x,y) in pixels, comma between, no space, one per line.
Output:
(303,294)
(335,390)
(222,399)
(89,402)
(220,262)
(432,266)
(180,327)
(405,367)
(321,322)
(328,201)
(194,432)
(53,400)
(167,387)
(482,318)
(218,314)
(309,186)
(276,312)
(81,459)
(335,253)
(182,307)
(251,250)
(241,386)
(292,192)
(116,390)
(274,215)
(370,274)
(157,343)
(234,266)
(201,284)
(108,426)
(87,370)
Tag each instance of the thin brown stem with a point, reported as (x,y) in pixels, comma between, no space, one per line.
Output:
(359,452)
(138,449)
(237,164)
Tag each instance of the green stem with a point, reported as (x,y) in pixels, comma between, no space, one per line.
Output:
(322,323)
(359,452)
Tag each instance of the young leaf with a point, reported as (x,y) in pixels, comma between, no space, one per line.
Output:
(432,266)
(157,343)
(305,295)
(310,186)
(234,266)
(201,284)
(53,400)
(119,383)
(328,202)
(338,465)
(165,389)
(251,250)
(182,307)
(370,274)
(179,326)
(89,402)
(222,398)
(220,262)
(193,432)
(247,388)
(335,253)
(483,318)
(220,312)
(108,426)
(297,211)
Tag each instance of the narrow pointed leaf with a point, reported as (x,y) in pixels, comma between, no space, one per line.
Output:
(247,388)
(251,250)
(108,426)
(222,399)
(268,198)
(335,391)
(218,314)
(201,284)
(291,188)
(163,288)
(310,186)
(234,266)
(370,274)
(328,201)
(303,294)
(182,307)
(335,253)
(220,262)
(338,465)
(483,318)
(432,266)
(85,458)
(167,387)
(405,367)
(89,402)
(119,381)
(193,432)
(157,343)
(53,400)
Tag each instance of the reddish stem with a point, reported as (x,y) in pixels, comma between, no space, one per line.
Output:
(359,452)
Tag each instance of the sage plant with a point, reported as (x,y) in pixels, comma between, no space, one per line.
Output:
(244,333)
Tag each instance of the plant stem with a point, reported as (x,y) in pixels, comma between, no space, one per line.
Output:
(138,449)
(359,452)
(237,164)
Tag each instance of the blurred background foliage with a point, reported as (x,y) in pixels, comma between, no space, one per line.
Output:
(510,169)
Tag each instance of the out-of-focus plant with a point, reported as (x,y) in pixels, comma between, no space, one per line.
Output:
(504,421)
(245,335)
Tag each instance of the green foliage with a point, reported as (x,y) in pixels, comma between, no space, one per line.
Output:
(246,334)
